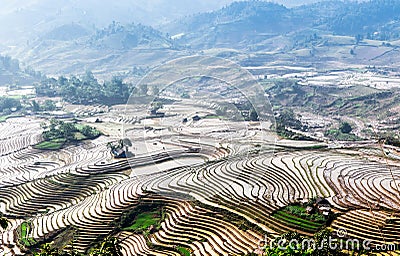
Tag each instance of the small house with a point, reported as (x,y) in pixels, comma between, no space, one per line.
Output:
(323,206)
(196,118)
(310,210)
(119,153)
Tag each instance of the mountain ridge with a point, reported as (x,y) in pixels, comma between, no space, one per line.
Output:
(308,32)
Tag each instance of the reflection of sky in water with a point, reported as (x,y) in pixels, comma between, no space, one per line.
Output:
(187,161)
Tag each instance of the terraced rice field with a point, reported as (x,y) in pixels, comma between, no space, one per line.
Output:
(222,204)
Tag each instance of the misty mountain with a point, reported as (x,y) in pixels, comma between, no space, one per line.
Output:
(66,32)
(379,17)
(243,24)
(27,19)
(239,24)
(71,49)
(119,37)
(312,32)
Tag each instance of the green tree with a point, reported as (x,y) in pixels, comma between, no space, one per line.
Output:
(68,131)
(88,131)
(49,105)
(3,221)
(111,146)
(47,250)
(156,105)
(253,116)
(345,127)
(108,247)
(35,106)
(9,103)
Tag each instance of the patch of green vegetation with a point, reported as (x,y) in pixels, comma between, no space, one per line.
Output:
(297,222)
(51,144)
(57,133)
(213,117)
(64,238)
(48,105)
(4,118)
(184,251)
(338,135)
(7,103)
(288,119)
(300,211)
(142,216)
(25,230)
(108,246)
(79,136)
(144,220)
(17,97)
(297,216)
(88,90)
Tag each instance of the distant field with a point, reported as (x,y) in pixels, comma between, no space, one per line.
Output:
(51,145)
(144,220)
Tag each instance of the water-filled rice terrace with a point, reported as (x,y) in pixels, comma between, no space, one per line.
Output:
(222,205)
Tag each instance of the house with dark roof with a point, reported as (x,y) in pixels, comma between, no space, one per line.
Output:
(323,206)
(196,118)
(119,153)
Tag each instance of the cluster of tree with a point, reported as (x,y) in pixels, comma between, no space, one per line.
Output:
(110,246)
(156,105)
(48,105)
(345,127)
(130,36)
(58,129)
(246,110)
(343,133)
(258,14)
(15,75)
(288,119)
(390,138)
(6,104)
(8,63)
(369,19)
(86,90)
(253,115)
